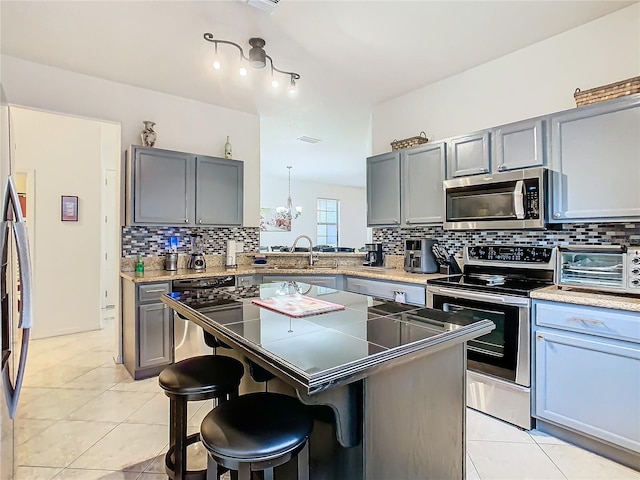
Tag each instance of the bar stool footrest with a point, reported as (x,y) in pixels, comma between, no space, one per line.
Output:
(170,466)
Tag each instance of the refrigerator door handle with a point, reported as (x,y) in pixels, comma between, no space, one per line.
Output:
(19,229)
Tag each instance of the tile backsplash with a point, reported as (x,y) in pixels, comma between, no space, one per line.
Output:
(392,238)
(154,241)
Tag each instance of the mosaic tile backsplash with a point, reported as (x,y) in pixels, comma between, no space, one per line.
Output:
(154,241)
(392,238)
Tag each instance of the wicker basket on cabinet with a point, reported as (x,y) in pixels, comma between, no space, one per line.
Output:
(607,92)
(409,142)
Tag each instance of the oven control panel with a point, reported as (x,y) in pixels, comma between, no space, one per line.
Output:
(505,253)
(633,257)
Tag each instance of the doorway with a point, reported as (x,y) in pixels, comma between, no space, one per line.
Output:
(110,257)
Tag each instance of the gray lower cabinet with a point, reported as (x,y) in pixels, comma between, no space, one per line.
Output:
(383,189)
(595,158)
(147,328)
(469,154)
(519,145)
(328,281)
(176,188)
(423,171)
(587,371)
(413,294)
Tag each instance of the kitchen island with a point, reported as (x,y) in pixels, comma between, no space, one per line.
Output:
(390,378)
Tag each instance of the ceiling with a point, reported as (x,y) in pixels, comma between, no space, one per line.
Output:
(351,55)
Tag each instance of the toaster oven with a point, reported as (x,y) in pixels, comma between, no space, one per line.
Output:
(613,268)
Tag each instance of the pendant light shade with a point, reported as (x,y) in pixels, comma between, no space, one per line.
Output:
(289,210)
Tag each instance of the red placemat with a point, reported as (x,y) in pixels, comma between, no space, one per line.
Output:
(297,305)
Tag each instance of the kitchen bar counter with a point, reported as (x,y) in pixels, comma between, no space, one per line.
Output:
(390,274)
(392,375)
(589,298)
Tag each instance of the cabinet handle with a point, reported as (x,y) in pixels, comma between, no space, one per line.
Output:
(186,220)
(157,290)
(539,337)
(200,221)
(502,168)
(557,215)
(586,321)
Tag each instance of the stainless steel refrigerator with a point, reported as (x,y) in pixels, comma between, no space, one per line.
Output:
(16,296)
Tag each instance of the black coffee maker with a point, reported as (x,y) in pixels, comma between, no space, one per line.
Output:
(373,257)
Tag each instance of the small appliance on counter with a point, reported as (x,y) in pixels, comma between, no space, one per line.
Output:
(196,261)
(419,256)
(171,262)
(609,268)
(373,257)
(171,259)
(233,248)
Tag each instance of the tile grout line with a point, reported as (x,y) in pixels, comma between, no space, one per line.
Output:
(546,455)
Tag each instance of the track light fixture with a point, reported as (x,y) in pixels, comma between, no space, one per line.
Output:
(257,59)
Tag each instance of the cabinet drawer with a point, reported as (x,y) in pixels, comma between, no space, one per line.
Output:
(603,322)
(414,294)
(152,291)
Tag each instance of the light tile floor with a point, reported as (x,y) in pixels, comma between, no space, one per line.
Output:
(82,417)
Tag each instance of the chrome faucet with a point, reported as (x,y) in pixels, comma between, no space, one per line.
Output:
(295,242)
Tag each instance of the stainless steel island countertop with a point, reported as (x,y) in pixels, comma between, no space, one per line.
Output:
(321,351)
(386,381)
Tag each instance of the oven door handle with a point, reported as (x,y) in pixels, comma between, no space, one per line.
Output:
(482,297)
(518,200)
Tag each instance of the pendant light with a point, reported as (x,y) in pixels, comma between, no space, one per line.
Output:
(289,211)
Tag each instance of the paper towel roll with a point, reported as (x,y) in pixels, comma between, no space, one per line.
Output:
(231,253)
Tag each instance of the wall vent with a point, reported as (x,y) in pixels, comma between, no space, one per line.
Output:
(264,5)
(304,138)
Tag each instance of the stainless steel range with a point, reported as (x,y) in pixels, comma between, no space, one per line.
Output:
(495,284)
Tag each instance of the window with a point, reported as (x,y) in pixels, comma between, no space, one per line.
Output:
(328,215)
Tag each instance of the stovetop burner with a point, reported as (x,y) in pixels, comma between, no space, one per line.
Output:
(503,269)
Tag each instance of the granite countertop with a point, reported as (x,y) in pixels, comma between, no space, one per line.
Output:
(589,298)
(389,274)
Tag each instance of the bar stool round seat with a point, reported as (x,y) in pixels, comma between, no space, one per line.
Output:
(204,377)
(255,432)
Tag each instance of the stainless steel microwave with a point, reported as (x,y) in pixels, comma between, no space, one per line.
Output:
(508,200)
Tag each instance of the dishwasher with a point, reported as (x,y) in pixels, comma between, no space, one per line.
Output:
(189,337)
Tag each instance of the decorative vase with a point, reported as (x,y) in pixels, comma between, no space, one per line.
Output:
(148,135)
(227,149)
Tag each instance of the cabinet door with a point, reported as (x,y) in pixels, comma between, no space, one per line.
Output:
(219,191)
(383,189)
(423,171)
(161,187)
(589,385)
(595,155)
(469,155)
(155,335)
(519,145)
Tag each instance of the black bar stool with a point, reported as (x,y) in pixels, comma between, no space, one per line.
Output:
(257,432)
(204,377)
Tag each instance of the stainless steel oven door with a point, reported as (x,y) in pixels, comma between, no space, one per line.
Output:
(505,352)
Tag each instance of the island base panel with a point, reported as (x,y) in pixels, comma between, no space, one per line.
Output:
(414,419)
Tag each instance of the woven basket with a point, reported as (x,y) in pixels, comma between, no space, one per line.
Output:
(409,142)
(607,92)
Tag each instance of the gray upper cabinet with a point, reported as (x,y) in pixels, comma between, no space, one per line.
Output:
(219,191)
(470,154)
(176,188)
(159,187)
(383,189)
(423,171)
(595,158)
(519,145)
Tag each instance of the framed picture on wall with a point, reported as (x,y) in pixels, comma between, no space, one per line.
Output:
(69,208)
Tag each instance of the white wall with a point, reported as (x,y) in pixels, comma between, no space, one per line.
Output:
(66,157)
(353,221)
(536,80)
(181,124)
